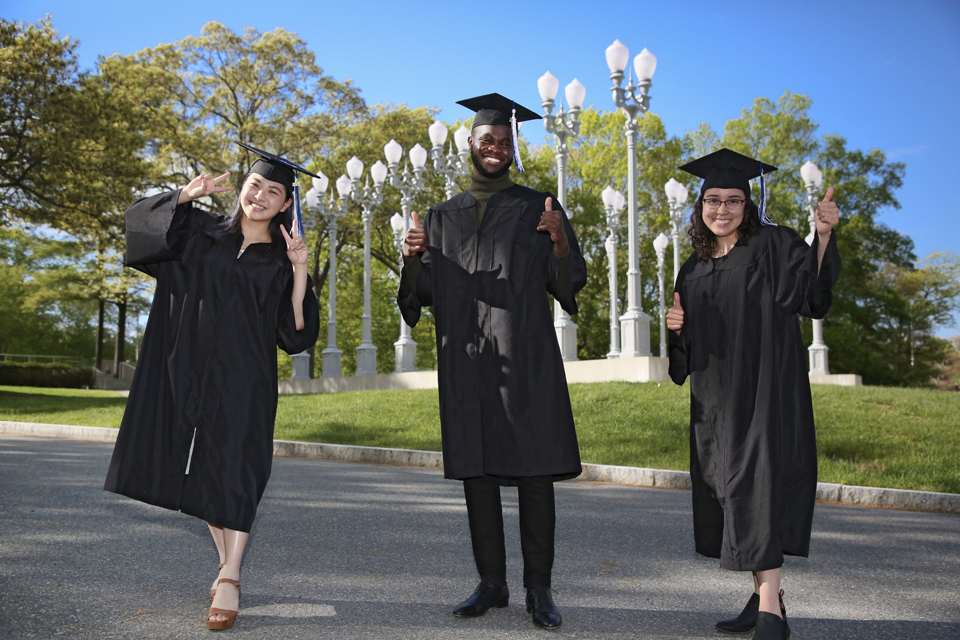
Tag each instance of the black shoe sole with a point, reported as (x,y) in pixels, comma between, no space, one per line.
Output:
(498,605)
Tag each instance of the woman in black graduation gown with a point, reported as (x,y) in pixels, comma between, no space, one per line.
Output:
(197,433)
(734,330)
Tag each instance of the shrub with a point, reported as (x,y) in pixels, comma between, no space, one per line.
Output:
(46,374)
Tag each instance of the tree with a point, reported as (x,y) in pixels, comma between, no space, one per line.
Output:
(201,93)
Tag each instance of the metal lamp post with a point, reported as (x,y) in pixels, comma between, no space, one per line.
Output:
(300,362)
(813,178)
(408,184)
(367,199)
(331,355)
(454,165)
(562,126)
(660,246)
(677,195)
(613,202)
(635,324)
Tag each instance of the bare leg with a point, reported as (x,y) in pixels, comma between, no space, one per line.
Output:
(227,595)
(217,533)
(769,590)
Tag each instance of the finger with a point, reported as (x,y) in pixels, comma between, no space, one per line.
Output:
(221,178)
(676,300)
(416,219)
(549,204)
(286,236)
(829,195)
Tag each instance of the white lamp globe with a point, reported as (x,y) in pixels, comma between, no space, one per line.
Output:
(396,222)
(320,184)
(575,92)
(343,186)
(354,168)
(645,64)
(548,85)
(460,137)
(438,133)
(378,172)
(660,244)
(392,151)
(617,57)
(418,156)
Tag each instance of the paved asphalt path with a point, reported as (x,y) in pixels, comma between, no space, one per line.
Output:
(345,550)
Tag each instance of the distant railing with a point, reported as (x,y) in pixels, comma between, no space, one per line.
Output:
(29,357)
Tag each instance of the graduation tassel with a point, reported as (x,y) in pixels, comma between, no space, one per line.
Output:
(298,233)
(514,131)
(764,220)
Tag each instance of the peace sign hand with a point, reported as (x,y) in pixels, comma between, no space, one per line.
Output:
(203,185)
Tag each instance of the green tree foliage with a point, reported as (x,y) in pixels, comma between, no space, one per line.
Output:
(203,92)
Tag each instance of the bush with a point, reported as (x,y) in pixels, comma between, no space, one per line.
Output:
(46,374)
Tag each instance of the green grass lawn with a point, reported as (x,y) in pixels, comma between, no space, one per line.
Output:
(873,436)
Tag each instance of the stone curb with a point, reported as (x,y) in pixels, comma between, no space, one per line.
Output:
(630,476)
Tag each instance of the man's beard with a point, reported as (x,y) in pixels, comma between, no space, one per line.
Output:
(491,175)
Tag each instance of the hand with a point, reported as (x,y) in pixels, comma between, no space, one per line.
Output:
(552,222)
(203,185)
(828,214)
(296,249)
(416,240)
(675,315)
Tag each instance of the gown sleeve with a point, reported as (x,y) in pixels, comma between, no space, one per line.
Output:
(416,287)
(796,284)
(288,338)
(567,275)
(156,230)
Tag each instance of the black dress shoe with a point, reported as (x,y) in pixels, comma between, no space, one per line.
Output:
(486,596)
(747,620)
(769,626)
(540,604)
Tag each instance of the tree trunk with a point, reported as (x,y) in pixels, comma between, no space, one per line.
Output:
(98,350)
(118,355)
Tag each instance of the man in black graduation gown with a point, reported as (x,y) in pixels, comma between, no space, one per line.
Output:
(485,261)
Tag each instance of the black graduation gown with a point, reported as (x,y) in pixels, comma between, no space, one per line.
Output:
(504,405)
(753,455)
(208,366)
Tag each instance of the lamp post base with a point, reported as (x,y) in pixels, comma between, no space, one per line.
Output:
(366,359)
(406,353)
(331,362)
(300,365)
(818,360)
(566,333)
(634,335)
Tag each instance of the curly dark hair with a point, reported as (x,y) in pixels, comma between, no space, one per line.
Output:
(703,240)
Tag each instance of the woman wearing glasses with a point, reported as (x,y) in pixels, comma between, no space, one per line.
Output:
(735,331)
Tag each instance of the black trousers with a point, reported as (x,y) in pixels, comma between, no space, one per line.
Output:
(537,523)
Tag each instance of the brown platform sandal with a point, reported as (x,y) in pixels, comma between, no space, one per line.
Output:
(213,592)
(214,625)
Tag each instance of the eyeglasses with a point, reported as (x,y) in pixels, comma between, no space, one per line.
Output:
(733,204)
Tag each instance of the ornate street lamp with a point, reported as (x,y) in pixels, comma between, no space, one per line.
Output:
(454,165)
(562,126)
(367,199)
(613,202)
(677,195)
(408,184)
(660,246)
(635,324)
(813,178)
(331,211)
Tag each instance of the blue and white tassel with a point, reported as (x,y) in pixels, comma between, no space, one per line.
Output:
(514,131)
(764,220)
(298,222)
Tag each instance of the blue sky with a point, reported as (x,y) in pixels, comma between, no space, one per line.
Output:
(882,74)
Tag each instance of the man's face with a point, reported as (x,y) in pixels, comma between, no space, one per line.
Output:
(491,148)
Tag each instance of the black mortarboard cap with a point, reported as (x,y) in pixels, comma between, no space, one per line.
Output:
(274,167)
(493,108)
(277,169)
(726,169)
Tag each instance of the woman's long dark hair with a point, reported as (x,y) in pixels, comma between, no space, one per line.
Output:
(703,240)
(228,230)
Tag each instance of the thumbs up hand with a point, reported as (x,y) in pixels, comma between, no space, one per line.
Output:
(552,222)
(416,240)
(828,215)
(675,315)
